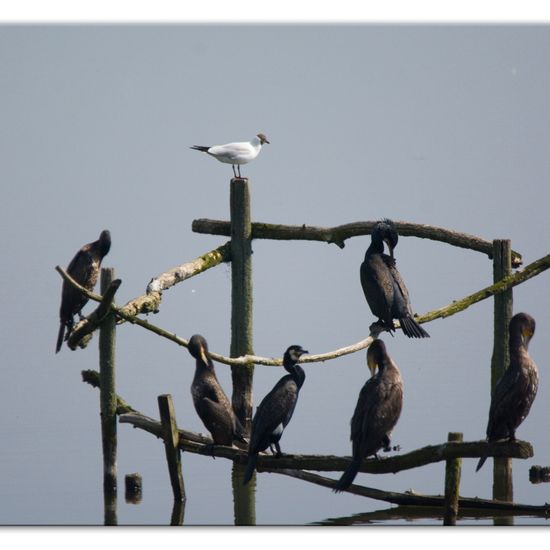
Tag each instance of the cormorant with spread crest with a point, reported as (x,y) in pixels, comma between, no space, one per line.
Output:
(211,403)
(382,284)
(516,389)
(376,413)
(275,411)
(84,269)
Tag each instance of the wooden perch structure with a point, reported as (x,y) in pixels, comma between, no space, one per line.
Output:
(195,443)
(529,271)
(288,464)
(150,301)
(338,234)
(81,334)
(411,498)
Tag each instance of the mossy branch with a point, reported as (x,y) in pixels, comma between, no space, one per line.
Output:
(517,278)
(81,334)
(150,301)
(338,234)
(529,271)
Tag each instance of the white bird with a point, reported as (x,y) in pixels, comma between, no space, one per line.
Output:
(235,153)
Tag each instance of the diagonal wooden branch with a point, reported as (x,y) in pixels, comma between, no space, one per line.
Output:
(515,279)
(411,498)
(338,234)
(150,301)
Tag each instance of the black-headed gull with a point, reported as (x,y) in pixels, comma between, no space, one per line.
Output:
(235,153)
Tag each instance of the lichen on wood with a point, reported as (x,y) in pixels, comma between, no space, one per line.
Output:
(339,234)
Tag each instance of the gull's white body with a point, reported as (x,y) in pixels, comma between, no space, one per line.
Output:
(235,153)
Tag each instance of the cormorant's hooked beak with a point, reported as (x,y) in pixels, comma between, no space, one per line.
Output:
(373,365)
(390,247)
(526,335)
(204,357)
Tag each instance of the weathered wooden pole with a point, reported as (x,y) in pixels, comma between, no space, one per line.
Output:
(244,497)
(241,299)
(171,438)
(108,397)
(502,267)
(452,483)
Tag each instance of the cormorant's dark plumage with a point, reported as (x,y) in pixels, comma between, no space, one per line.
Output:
(376,413)
(382,284)
(275,411)
(516,390)
(84,269)
(211,403)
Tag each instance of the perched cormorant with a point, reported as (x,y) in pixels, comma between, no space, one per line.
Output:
(211,403)
(383,286)
(235,153)
(516,390)
(84,269)
(275,411)
(376,413)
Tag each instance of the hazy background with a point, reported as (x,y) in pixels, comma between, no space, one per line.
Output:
(443,125)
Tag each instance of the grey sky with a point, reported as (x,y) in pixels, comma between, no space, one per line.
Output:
(443,125)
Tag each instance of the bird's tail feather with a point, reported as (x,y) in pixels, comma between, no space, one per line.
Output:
(60,336)
(200,148)
(250,467)
(481,463)
(348,476)
(412,329)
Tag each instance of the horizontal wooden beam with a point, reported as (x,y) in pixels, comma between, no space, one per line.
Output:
(331,463)
(338,234)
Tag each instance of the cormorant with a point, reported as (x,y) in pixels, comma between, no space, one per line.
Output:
(516,389)
(383,286)
(275,411)
(84,269)
(235,153)
(211,403)
(376,413)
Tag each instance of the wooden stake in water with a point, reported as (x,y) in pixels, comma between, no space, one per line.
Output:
(170,435)
(241,298)
(502,267)
(108,400)
(452,483)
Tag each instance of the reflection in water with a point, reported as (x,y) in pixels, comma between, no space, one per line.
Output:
(422,515)
(244,496)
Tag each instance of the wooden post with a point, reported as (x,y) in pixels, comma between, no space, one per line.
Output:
(170,435)
(502,267)
(241,299)
(110,508)
(108,398)
(244,496)
(452,483)
(178,511)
